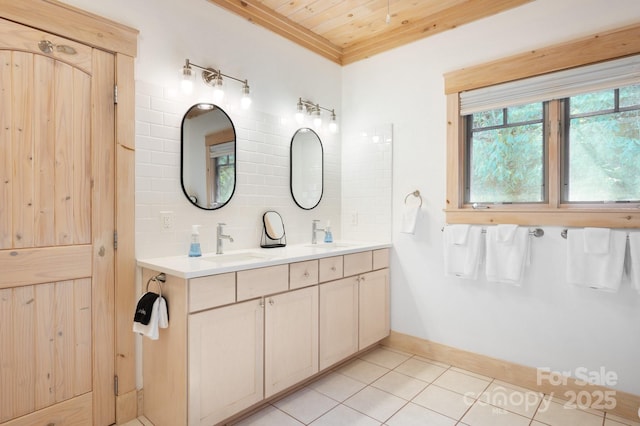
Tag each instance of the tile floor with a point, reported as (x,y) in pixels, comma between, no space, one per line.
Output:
(392,388)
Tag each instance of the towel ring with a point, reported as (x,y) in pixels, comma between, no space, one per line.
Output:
(158,279)
(416,194)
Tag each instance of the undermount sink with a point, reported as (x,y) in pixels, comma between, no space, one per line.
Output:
(329,246)
(236,257)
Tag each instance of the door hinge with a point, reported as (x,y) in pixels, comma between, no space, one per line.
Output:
(115,93)
(115,385)
(115,240)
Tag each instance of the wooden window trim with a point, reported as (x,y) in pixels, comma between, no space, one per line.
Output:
(588,50)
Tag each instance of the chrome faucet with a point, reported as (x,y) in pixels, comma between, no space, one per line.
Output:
(314,229)
(220,236)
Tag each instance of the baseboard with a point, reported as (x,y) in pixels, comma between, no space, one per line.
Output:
(627,405)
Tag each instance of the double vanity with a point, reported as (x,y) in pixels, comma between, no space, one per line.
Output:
(249,325)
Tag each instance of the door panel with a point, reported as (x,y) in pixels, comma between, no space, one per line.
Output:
(57,186)
(45,345)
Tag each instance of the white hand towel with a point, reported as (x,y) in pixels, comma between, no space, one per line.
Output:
(634,257)
(507,253)
(459,234)
(505,233)
(159,319)
(598,271)
(409,219)
(462,260)
(596,240)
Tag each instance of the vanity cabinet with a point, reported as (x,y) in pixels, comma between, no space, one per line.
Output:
(237,338)
(291,338)
(373,313)
(338,320)
(225,346)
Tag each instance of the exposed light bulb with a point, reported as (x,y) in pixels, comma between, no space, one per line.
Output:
(299,112)
(186,84)
(218,90)
(333,124)
(245,102)
(317,119)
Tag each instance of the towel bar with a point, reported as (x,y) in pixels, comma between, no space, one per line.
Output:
(565,231)
(416,194)
(535,232)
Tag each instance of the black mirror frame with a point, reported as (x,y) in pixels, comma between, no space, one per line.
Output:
(291,169)
(235,154)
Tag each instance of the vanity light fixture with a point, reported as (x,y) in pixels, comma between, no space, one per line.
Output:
(213,77)
(307,107)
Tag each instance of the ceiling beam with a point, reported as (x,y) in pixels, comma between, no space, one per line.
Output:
(257,13)
(444,20)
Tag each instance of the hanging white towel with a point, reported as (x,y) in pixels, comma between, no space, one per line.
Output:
(507,253)
(602,271)
(462,260)
(634,258)
(153,310)
(596,240)
(409,219)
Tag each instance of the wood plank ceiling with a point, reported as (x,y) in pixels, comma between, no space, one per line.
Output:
(346,31)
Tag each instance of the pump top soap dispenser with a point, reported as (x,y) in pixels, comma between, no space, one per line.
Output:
(194,249)
(328,236)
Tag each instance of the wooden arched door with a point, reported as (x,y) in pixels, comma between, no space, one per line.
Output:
(57,184)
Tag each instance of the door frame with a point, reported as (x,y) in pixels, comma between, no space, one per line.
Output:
(92,30)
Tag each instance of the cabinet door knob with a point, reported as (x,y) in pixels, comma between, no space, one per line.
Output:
(362,278)
(271,302)
(333,268)
(262,303)
(306,274)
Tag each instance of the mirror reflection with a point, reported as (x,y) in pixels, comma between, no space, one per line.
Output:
(306,168)
(208,156)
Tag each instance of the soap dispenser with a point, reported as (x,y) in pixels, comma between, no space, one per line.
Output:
(194,249)
(328,237)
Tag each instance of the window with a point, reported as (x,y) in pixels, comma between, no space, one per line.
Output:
(602,146)
(600,150)
(505,162)
(548,137)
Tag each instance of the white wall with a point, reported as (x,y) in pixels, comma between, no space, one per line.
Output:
(279,72)
(545,322)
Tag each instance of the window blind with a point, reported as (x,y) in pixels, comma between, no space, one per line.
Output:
(221,149)
(557,85)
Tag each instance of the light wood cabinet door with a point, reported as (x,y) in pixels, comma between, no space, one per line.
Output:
(291,338)
(373,308)
(225,361)
(338,321)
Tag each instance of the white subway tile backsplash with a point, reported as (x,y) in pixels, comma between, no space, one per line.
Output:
(262,179)
(147,116)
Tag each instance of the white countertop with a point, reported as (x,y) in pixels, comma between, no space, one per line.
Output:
(238,260)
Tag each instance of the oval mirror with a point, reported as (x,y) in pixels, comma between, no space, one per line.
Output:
(307,166)
(208,156)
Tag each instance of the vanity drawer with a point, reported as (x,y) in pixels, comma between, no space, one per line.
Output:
(303,274)
(211,291)
(330,268)
(380,259)
(357,263)
(259,282)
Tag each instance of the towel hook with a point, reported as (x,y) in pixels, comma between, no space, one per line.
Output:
(158,279)
(416,194)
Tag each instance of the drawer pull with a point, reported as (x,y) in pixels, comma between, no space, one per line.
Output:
(333,268)
(306,274)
